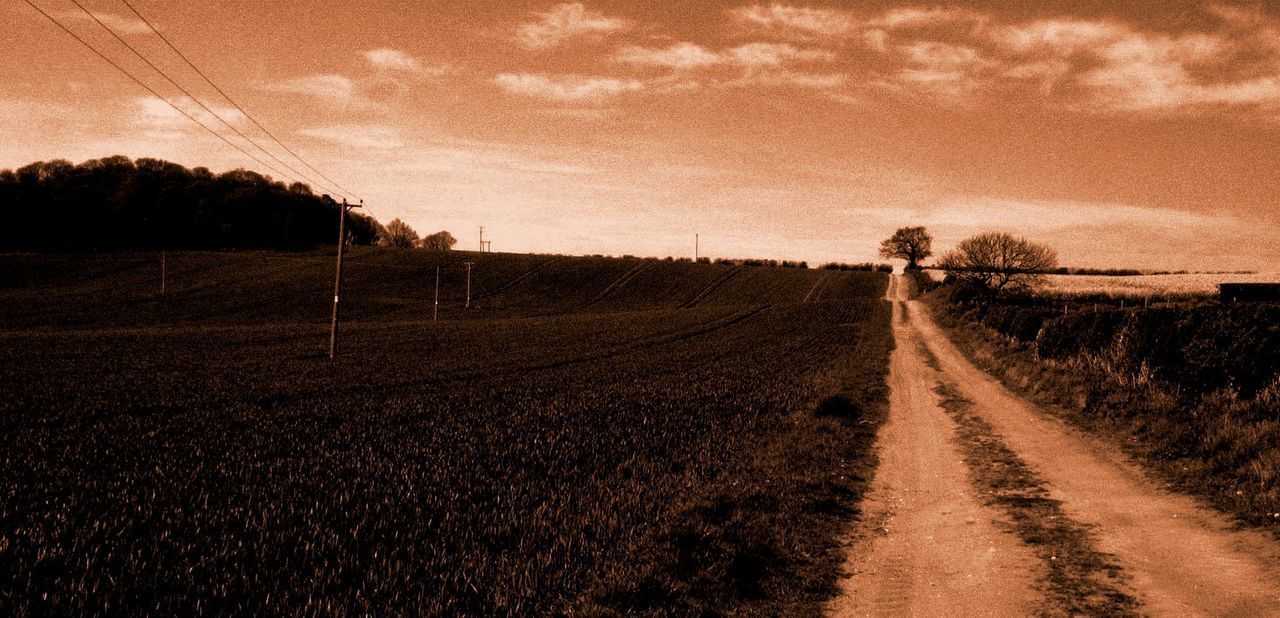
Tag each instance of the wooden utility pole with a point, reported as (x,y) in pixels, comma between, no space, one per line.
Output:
(695,248)
(469,263)
(482,239)
(435,313)
(337,278)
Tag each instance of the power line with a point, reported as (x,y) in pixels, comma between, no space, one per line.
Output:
(233,101)
(152,90)
(196,100)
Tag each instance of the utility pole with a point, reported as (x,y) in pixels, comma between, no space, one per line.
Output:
(695,248)
(469,264)
(164,270)
(435,313)
(337,278)
(482,239)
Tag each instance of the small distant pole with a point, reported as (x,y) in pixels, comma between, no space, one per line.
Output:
(482,239)
(469,264)
(435,312)
(164,271)
(696,248)
(337,277)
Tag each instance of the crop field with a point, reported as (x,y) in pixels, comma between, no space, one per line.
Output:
(1157,286)
(594,435)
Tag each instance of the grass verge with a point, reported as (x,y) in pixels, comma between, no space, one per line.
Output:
(1221,446)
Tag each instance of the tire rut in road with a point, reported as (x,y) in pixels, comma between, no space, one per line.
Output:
(1078,579)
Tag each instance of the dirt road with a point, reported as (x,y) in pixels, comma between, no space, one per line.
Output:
(1180,557)
(933,549)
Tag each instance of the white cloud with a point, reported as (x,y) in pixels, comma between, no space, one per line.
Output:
(678,56)
(565,88)
(1099,65)
(396,60)
(1040,217)
(154,115)
(686,56)
(776,54)
(124,26)
(564,22)
(325,86)
(375,137)
(935,55)
(774,79)
(914,17)
(804,21)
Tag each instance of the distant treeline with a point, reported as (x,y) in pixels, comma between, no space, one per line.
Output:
(864,267)
(117,204)
(762,263)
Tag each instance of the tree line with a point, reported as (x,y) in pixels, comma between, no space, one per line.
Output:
(115,203)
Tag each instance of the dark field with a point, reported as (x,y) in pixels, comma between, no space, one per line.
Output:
(594,436)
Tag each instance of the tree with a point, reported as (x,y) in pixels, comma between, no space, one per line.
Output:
(114,204)
(399,234)
(998,261)
(909,243)
(440,241)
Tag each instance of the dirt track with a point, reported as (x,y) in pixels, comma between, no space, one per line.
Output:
(929,548)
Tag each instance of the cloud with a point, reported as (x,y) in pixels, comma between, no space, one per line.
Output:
(914,17)
(1034,217)
(325,86)
(564,22)
(1094,65)
(124,26)
(565,88)
(159,119)
(1122,69)
(478,159)
(398,61)
(776,54)
(679,56)
(777,79)
(687,56)
(377,137)
(804,21)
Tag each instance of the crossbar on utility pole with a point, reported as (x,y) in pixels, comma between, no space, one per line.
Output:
(337,277)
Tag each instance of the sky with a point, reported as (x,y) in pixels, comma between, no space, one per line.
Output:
(1123,134)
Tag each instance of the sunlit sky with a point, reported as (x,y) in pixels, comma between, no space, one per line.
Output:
(1124,134)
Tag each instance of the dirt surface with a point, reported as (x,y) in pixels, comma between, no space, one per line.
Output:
(1180,557)
(930,548)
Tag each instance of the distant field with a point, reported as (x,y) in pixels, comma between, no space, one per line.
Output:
(1151,285)
(595,434)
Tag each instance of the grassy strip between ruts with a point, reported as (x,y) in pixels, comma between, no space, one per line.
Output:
(1079,580)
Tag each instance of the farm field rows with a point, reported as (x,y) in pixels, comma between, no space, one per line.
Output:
(541,454)
(380,285)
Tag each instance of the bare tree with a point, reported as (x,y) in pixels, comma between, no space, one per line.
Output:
(998,261)
(440,241)
(909,243)
(399,234)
